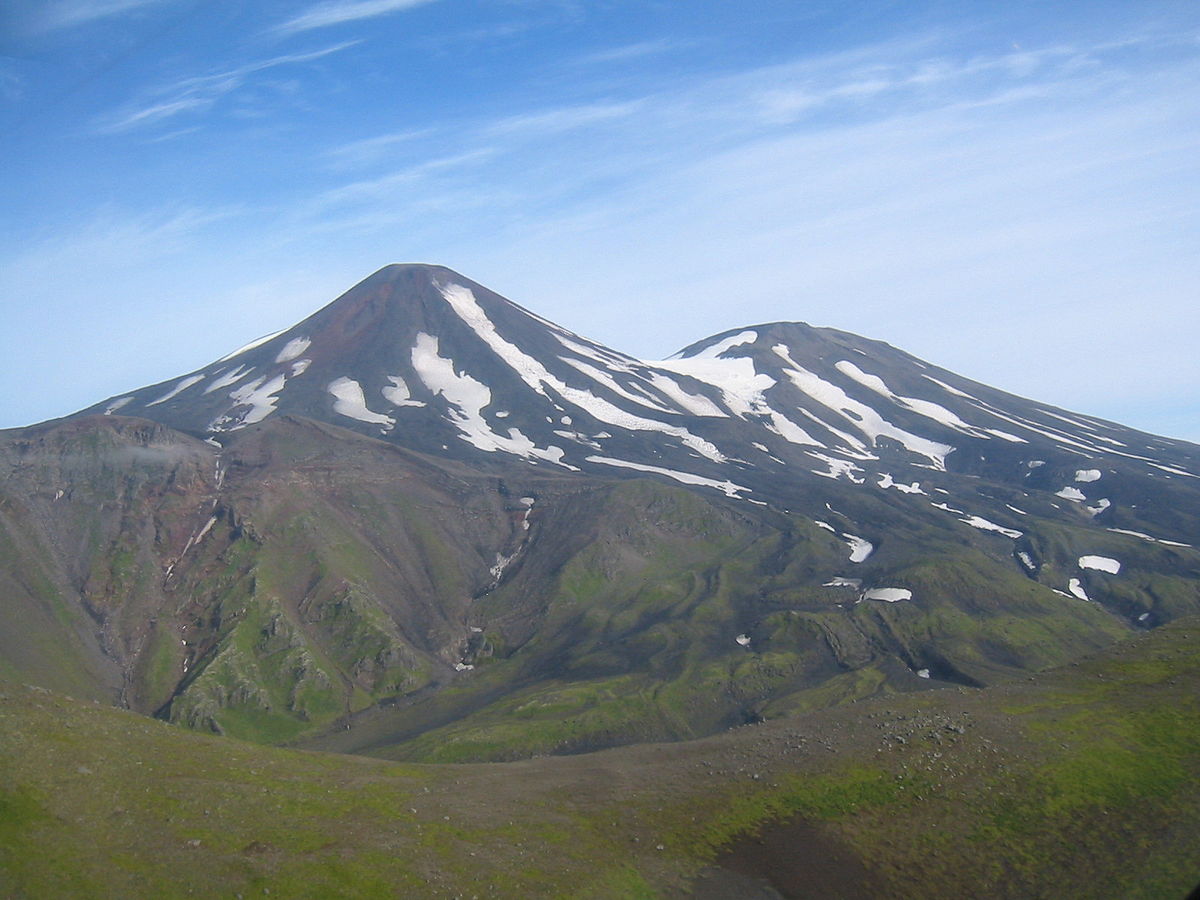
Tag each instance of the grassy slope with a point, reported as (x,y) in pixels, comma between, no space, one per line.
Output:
(1079,783)
(637,640)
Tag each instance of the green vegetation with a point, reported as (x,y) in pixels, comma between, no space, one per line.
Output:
(1079,784)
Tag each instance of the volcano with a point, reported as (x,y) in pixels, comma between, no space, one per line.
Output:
(426,523)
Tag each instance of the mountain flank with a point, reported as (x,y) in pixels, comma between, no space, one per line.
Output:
(426,524)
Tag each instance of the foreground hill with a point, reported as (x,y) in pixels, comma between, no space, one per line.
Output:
(1081,782)
(426,524)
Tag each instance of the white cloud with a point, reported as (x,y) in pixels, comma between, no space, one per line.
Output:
(1021,216)
(201,92)
(324,15)
(628,52)
(566,118)
(374,149)
(1032,203)
(71,13)
(385,188)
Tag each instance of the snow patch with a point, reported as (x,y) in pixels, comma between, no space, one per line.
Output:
(292,349)
(195,539)
(534,374)
(860,548)
(178,389)
(712,351)
(1086,476)
(984,525)
(1100,564)
(839,581)
(743,640)
(1171,470)
(886,481)
(863,417)
(695,404)
(948,389)
(397,392)
(1071,493)
(742,390)
(117,404)
(926,408)
(467,398)
(258,342)
(1146,537)
(578,438)
(838,468)
(1075,586)
(350,401)
(888,594)
(233,376)
(727,487)
(605,378)
(260,395)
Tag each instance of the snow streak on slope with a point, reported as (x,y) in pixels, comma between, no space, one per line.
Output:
(177,390)
(728,487)
(771,412)
(468,398)
(743,391)
(534,374)
(398,394)
(260,395)
(292,349)
(861,416)
(225,379)
(1100,564)
(926,408)
(605,379)
(349,401)
(246,348)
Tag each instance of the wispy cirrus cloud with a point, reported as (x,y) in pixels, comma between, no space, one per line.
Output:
(324,15)
(627,52)
(11,83)
(374,149)
(60,14)
(562,119)
(386,188)
(201,92)
(899,177)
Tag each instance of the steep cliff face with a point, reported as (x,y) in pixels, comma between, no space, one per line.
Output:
(285,582)
(88,510)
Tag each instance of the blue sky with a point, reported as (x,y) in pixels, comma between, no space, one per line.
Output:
(1008,190)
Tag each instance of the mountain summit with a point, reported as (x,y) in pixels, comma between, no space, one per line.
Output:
(426,523)
(421,356)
